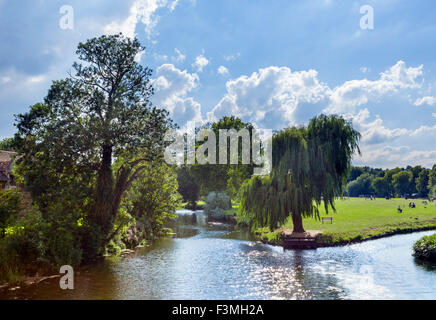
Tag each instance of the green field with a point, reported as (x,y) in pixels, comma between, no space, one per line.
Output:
(359,219)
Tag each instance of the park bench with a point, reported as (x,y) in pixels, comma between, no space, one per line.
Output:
(327,219)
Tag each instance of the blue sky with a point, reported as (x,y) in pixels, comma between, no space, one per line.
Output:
(275,63)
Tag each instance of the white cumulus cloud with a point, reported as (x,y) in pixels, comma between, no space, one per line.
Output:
(276,97)
(172,87)
(232,57)
(141,11)
(425,100)
(398,156)
(270,96)
(223,71)
(200,63)
(5,79)
(346,97)
(180,57)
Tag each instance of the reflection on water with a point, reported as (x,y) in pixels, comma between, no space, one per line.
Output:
(210,261)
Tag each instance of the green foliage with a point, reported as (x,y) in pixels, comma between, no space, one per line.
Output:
(224,177)
(388,176)
(8,144)
(356,172)
(310,166)
(415,171)
(360,219)
(380,186)
(54,182)
(9,208)
(401,182)
(34,244)
(209,177)
(114,247)
(188,188)
(419,181)
(93,242)
(432,181)
(425,248)
(237,175)
(422,183)
(268,236)
(361,186)
(216,204)
(152,201)
(101,112)
(9,263)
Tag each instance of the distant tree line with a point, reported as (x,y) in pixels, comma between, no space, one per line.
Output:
(405,182)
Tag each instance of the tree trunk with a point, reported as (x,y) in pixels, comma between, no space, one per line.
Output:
(102,215)
(120,188)
(297,221)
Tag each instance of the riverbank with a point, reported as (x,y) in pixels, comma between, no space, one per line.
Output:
(19,280)
(26,282)
(247,270)
(334,240)
(358,220)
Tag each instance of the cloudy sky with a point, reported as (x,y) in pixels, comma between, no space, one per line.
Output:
(275,63)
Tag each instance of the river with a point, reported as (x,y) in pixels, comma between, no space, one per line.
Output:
(214,262)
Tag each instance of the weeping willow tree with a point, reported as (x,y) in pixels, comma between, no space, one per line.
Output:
(309,168)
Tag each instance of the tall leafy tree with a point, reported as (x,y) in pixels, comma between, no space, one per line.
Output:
(355,172)
(401,182)
(361,186)
(153,198)
(310,166)
(432,181)
(100,112)
(10,202)
(388,176)
(223,177)
(236,173)
(381,186)
(53,179)
(415,171)
(187,186)
(422,183)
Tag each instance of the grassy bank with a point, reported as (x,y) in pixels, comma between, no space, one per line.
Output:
(199,205)
(425,249)
(359,219)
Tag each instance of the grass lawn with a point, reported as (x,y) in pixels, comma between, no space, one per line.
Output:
(358,219)
(235,209)
(200,204)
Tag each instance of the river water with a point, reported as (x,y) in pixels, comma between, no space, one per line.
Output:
(207,261)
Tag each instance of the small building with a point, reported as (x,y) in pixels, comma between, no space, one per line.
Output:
(6,162)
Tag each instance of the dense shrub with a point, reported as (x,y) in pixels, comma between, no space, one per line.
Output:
(216,204)
(187,187)
(37,245)
(149,205)
(9,268)
(361,186)
(425,248)
(9,208)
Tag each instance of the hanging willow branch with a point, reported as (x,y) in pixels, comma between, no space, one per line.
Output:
(310,166)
